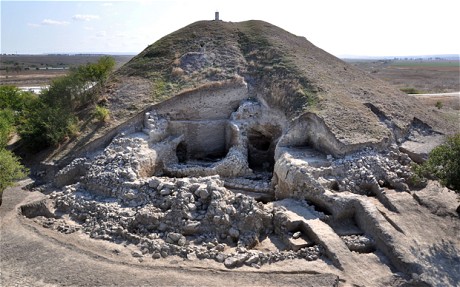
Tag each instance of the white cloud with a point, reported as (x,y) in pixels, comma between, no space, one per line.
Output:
(101,34)
(106,4)
(88,28)
(33,25)
(54,22)
(85,17)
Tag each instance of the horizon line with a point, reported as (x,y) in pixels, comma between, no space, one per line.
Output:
(341,56)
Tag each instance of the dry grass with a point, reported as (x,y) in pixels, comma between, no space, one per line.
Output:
(448,102)
(177,72)
(425,76)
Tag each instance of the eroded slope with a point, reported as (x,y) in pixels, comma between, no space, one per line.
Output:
(246,145)
(283,71)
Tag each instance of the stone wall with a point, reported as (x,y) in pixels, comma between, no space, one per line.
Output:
(210,102)
(311,131)
(203,138)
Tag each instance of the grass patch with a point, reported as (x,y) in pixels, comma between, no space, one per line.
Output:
(411,91)
(102,114)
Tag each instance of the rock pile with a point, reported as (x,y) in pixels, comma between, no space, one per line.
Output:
(114,197)
(365,173)
(189,217)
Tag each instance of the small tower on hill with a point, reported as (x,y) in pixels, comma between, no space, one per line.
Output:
(216,16)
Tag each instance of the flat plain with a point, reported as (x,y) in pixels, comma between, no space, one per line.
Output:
(425,76)
(40,70)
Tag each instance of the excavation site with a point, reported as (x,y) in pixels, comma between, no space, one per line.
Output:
(243,152)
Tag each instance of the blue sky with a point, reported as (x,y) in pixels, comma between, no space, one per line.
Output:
(351,27)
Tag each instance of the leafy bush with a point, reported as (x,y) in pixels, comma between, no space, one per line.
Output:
(12,103)
(102,114)
(45,125)
(438,105)
(10,169)
(52,118)
(443,164)
(13,98)
(97,72)
(417,179)
(6,126)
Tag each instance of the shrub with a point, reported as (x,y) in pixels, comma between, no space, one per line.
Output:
(13,98)
(10,169)
(97,72)
(417,179)
(102,114)
(438,105)
(443,164)
(43,126)
(52,117)
(6,126)
(411,91)
(177,72)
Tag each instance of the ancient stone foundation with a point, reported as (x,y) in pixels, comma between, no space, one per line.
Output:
(218,174)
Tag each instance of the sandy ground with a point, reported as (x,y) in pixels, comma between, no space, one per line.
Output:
(31,255)
(453,94)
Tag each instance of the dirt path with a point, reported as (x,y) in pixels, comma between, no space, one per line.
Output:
(454,94)
(34,256)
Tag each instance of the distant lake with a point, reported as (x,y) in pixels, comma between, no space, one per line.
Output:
(34,89)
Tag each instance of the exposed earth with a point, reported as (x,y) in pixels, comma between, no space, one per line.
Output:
(239,154)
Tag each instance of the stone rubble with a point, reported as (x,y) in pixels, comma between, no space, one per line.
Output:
(188,217)
(197,211)
(359,243)
(197,217)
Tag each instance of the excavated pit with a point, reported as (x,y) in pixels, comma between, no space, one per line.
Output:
(181,152)
(261,148)
(226,186)
(37,208)
(204,158)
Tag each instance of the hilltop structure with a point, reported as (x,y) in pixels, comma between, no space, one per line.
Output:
(245,145)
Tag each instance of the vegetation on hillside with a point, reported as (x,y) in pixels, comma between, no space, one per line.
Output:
(411,91)
(12,103)
(48,119)
(443,164)
(53,116)
(102,114)
(10,169)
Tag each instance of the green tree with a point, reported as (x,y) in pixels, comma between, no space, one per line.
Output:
(12,103)
(64,92)
(54,116)
(444,163)
(96,72)
(13,98)
(10,169)
(44,125)
(6,126)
